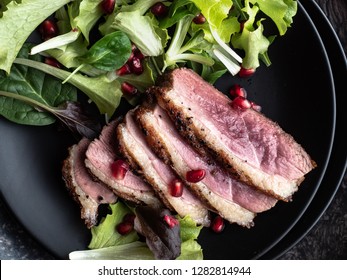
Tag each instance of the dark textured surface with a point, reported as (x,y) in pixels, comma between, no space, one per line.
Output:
(327,239)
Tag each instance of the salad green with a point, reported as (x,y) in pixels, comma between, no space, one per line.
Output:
(93,46)
(165,42)
(107,243)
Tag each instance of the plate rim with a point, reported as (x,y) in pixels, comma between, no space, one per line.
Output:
(282,236)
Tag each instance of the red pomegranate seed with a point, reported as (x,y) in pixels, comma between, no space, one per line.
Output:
(124,228)
(129,217)
(255,107)
(119,168)
(52,62)
(245,73)
(139,54)
(236,90)
(128,89)
(107,6)
(48,29)
(176,188)
(170,221)
(159,9)
(194,176)
(241,102)
(124,70)
(136,65)
(199,19)
(217,224)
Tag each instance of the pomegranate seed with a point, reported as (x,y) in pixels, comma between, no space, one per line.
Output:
(170,221)
(128,89)
(139,54)
(136,65)
(176,188)
(129,217)
(194,176)
(119,169)
(199,19)
(125,69)
(124,228)
(159,9)
(48,29)
(52,62)
(236,90)
(255,107)
(107,6)
(241,102)
(218,224)
(245,73)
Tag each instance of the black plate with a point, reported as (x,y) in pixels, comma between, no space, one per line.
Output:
(338,160)
(297,91)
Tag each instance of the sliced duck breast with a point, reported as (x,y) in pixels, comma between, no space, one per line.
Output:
(252,147)
(100,156)
(85,190)
(231,199)
(157,173)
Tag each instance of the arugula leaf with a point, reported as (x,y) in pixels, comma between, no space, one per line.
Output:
(32,84)
(18,22)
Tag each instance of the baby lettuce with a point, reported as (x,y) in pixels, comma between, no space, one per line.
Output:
(80,19)
(251,39)
(108,244)
(280,11)
(18,21)
(142,29)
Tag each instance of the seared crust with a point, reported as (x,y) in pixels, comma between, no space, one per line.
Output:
(231,211)
(108,145)
(88,204)
(135,165)
(141,156)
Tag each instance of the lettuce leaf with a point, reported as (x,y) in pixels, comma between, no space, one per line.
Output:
(131,251)
(18,21)
(106,235)
(251,39)
(190,248)
(280,11)
(108,244)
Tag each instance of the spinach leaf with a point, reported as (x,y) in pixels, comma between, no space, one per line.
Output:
(35,85)
(109,53)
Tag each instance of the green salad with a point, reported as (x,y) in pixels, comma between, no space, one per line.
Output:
(113,50)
